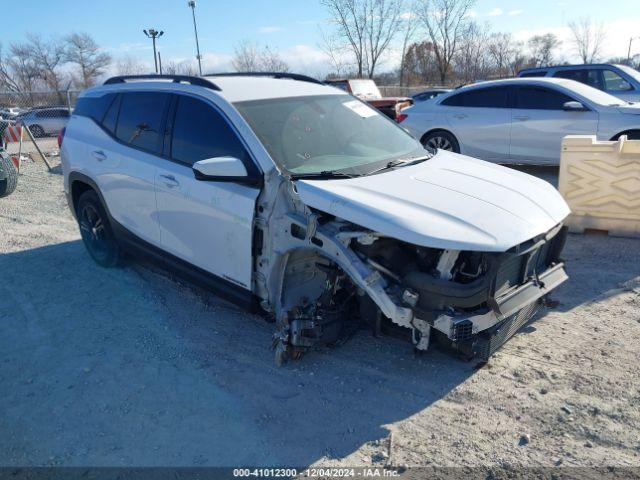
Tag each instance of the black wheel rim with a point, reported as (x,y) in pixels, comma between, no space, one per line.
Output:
(440,143)
(92,230)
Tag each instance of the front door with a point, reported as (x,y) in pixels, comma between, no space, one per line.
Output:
(539,123)
(208,224)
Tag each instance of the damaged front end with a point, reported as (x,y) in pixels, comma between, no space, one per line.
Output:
(334,276)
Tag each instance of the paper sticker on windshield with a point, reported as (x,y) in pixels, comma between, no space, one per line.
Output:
(360,108)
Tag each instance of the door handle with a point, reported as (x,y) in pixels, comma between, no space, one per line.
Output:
(522,118)
(99,155)
(170,181)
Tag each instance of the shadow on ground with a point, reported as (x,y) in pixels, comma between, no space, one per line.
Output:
(126,367)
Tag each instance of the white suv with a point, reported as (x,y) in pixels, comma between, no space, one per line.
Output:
(288,195)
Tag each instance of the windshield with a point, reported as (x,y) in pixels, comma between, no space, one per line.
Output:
(327,133)
(594,95)
(632,72)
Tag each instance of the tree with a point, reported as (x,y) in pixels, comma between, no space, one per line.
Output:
(366,28)
(83,51)
(409,28)
(445,21)
(420,64)
(588,38)
(249,57)
(128,65)
(506,54)
(48,56)
(473,60)
(542,48)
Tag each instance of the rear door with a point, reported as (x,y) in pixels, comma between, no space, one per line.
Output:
(208,224)
(126,162)
(540,123)
(481,121)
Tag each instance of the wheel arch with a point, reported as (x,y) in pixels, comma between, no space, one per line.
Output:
(441,129)
(634,131)
(80,183)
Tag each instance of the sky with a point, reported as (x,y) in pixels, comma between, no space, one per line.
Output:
(292,27)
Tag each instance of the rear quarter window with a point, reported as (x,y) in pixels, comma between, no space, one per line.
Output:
(94,107)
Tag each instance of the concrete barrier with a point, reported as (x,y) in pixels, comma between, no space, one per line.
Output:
(601,183)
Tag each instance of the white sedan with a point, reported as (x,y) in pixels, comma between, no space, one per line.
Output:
(520,120)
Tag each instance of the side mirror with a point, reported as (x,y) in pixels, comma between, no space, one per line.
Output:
(221,169)
(574,106)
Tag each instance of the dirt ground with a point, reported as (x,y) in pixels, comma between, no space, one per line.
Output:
(127,367)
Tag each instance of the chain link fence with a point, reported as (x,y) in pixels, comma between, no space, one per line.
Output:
(30,122)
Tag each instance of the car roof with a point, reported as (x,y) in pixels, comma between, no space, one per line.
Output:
(233,87)
(517,81)
(243,88)
(563,67)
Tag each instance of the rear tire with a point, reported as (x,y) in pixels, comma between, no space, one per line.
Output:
(10,176)
(96,231)
(37,131)
(441,140)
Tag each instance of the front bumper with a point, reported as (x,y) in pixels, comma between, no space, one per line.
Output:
(483,333)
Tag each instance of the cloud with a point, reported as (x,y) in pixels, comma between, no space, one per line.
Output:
(513,13)
(131,47)
(496,12)
(270,29)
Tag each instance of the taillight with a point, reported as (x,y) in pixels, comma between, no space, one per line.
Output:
(61,136)
(401,117)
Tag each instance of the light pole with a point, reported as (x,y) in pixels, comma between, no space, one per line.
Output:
(192,4)
(153,34)
(629,51)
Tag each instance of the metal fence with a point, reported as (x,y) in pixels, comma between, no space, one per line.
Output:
(42,115)
(402,91)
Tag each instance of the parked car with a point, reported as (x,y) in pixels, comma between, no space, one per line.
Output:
(10,112)
(45,121)
(284,193)
(429,94)
(521,120)
(368,91)
(618,80)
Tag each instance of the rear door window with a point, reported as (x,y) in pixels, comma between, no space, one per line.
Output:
(200,132)
(140,122)
(589,77)
(538,73)
(540,98)
(495,97)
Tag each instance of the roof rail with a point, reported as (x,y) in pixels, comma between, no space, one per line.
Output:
(290,76)
(196,81)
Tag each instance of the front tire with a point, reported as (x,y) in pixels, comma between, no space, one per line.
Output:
(10,181)
(96,231)
(441,140)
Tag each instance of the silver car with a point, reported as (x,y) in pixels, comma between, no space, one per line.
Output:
(45,121)
(519,120)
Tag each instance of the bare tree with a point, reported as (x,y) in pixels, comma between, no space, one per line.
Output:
(48,56)
(445,21)
(588,38)
(506,53)
(420,63)
(409,27)
(542,49)
(7,79)
(128,65)
(473,60)
(185,67)
(249,57)
(337,53)
(82,50)
(367,28)
(25,71)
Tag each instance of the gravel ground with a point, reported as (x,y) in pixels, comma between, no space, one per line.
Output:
(127,367)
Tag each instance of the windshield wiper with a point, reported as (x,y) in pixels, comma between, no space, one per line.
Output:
(401,162)
(320,175)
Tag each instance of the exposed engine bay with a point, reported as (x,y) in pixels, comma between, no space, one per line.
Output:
(332,277)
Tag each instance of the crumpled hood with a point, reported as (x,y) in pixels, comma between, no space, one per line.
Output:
(451,201)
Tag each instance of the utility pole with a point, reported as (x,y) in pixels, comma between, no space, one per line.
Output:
(192,4)
(153,34)
(160,62)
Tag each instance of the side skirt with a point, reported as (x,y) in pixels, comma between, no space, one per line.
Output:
(150,253)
